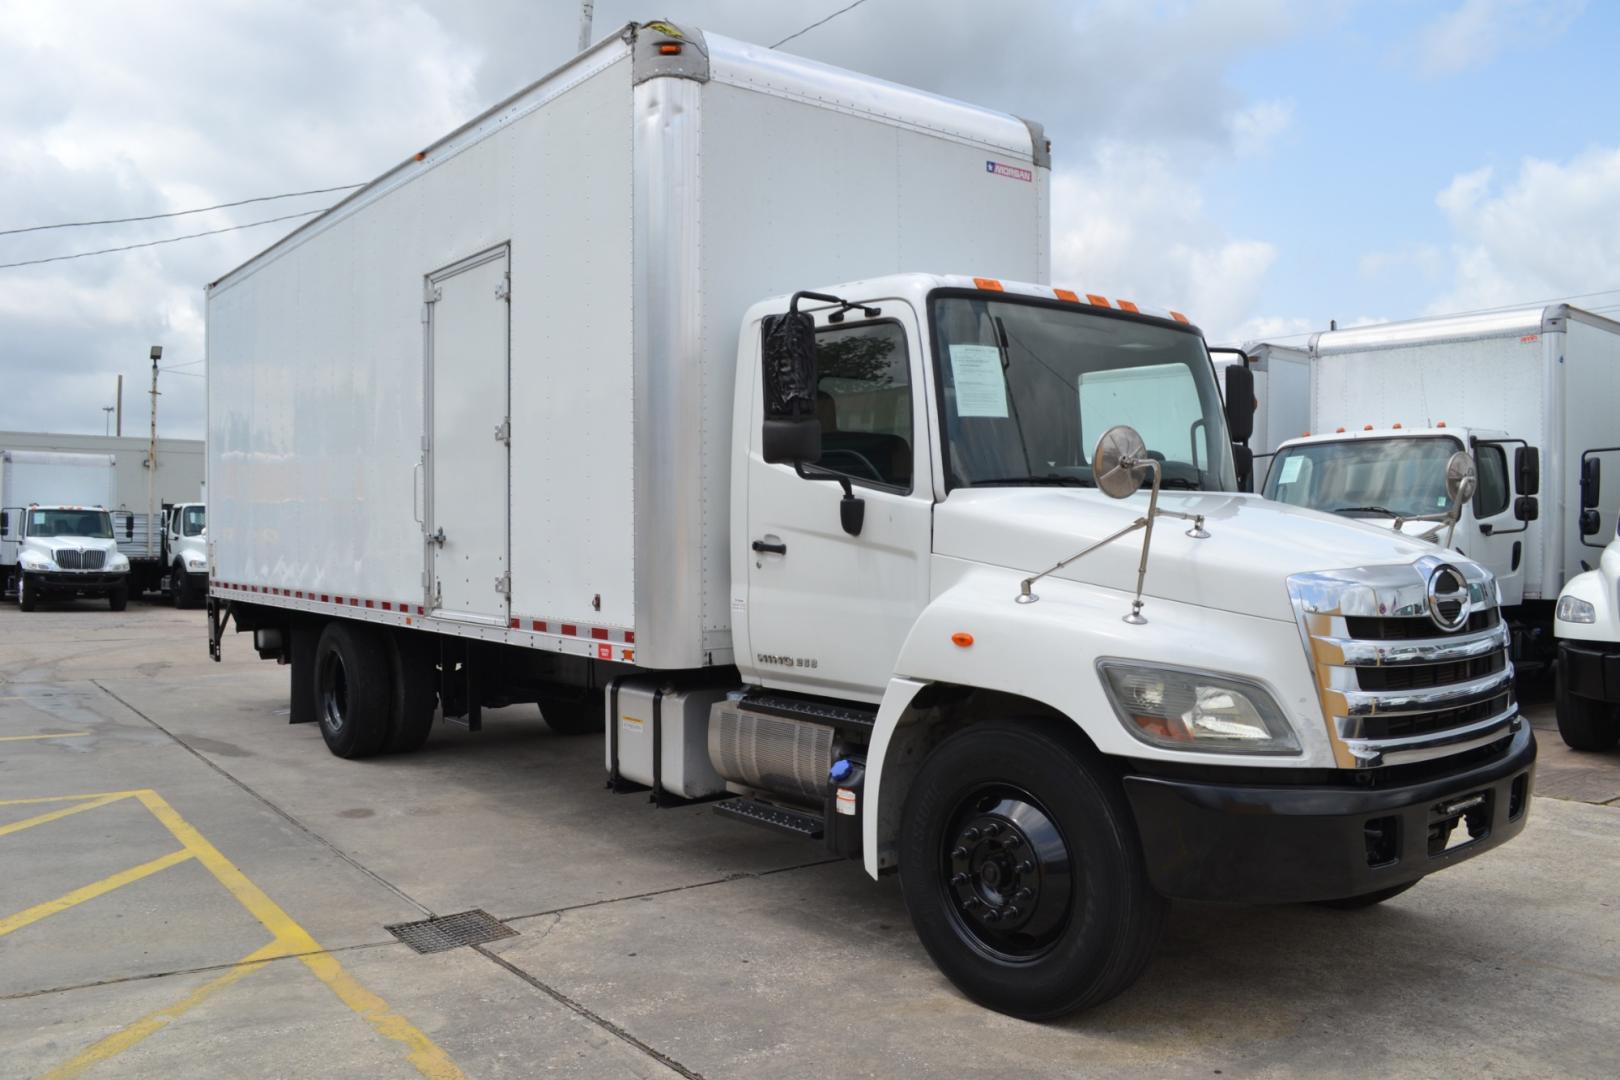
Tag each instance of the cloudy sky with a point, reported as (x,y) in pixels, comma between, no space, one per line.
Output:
(1265,166)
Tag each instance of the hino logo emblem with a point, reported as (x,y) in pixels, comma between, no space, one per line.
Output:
(1449,601)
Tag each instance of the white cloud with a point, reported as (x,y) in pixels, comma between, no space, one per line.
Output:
(1475,32)
(1257,126)
(1553,230)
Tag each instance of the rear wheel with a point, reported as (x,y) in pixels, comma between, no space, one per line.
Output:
(414,696)
(1584,723)
(1023,873)
(352,691)
(1367,900)
(573,714)
(118,597)
(27,592)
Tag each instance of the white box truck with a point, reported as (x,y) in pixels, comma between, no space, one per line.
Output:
(57,537)
(662,393)
(1282,401)
(1529,393)
(1587,625)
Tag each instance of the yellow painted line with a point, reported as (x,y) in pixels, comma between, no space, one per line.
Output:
(90,892)
(424,1054)
(68,798)
(158,1019)
(25,738)
(54,815)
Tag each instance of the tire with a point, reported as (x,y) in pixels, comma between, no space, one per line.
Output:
(353,695)
(414,696)
(1367,900)
(27,595)
(999,792)
(118,597)
(177,586)
(577,714)
(1584,723)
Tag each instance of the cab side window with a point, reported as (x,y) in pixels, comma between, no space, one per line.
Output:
(1491,497)
(863,400)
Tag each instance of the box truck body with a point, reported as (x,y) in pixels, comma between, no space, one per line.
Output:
(718,402)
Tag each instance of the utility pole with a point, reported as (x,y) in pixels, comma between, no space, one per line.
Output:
(118,428)
(106,427)
(586,9)
(151,460)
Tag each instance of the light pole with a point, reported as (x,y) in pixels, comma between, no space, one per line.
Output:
(151,459)
(106,429)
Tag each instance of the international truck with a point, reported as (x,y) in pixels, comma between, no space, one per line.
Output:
(57,537)
(1528,394)
(185,553)
(1587,682)
(720,403)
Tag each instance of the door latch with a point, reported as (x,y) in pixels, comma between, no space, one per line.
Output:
(503,432)
(503,584)
(436,537)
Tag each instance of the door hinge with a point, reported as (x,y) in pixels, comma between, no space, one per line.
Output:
(503,584)
(503,287)
(503,431)
(432,294)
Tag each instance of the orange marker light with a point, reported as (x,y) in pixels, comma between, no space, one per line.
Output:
(1338,431)
(961,639)
(1366,427)
(1065,294)
(1178,316)
(1126,305)
(669,48)
(987,284)
(1397,425)
(1100,301)
(1441,424)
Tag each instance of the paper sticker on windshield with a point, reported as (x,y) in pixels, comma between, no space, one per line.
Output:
(1290,470)
(981,390)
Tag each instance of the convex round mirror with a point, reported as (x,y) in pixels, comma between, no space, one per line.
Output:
(1119,463)
(1460,478)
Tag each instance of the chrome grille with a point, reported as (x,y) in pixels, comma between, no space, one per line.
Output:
(74,559)
(1395,686)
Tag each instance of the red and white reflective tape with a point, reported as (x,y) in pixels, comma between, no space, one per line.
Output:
(309,595)
(571,629)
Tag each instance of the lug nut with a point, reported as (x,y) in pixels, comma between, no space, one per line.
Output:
(959,879)
(970,834)
(992,828)
(992,915)
(959,852)
(971,902)
(1026,867)
(1009,842)
(1023,894)
(1012,911)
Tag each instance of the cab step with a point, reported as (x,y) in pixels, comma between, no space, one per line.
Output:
(780,818)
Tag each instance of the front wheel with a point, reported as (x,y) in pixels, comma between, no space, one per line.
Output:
(1023,873)
(1584,723)
(118,597)
(27,593)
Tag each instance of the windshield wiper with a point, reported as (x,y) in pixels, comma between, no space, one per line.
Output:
(1049,480)
(1178,482)
(1364,510)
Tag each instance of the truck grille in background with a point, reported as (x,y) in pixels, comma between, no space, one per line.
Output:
(73,559)
(1395,687)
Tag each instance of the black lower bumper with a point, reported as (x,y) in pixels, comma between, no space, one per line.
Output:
(87,583)
(1287,844)
(1590,670)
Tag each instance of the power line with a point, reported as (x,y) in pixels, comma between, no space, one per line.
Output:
(179,213)
(819,22)
(155,243)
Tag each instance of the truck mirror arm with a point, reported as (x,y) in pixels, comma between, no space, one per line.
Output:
(851,509)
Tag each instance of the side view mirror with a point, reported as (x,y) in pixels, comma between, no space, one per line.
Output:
(1461,480)
(1239,403)
(1527,472)
(1243,464)
(5,523)
(1591,484)
(792,432)
(129,527)
(1591,522)
(1526,508)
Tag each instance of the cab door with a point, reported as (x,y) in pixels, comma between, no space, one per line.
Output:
(827,611)
(1497,540)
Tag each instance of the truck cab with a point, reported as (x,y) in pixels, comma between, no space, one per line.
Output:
(70,551)
(1587,623)
(1387,477)
(185,549)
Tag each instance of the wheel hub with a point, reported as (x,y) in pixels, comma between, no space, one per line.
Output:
(1008,872)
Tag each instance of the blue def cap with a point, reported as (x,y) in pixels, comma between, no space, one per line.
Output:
(841,770)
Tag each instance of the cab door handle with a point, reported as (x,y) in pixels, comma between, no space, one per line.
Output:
(766,546)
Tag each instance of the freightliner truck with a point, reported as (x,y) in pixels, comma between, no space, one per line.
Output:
(724,396)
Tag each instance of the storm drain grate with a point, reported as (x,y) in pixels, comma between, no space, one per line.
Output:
(451,931)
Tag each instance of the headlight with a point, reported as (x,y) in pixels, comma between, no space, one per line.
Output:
(119,562)
(196,562)
(36,564)
(1575,610)
(1184,709)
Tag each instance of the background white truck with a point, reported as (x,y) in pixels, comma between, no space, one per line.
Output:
(571,408)
(185,553)
(1530,393)
(1282,399)
(1587,624)
(57,537)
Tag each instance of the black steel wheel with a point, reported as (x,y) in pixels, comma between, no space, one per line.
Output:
(118,597)
(27,594)
(413,670)
(1023,873)
(352,690)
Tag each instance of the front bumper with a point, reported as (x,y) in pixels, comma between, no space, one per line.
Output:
(1590,670)
(77,581)
(1279,844)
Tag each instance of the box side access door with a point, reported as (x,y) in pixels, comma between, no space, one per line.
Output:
(467,444)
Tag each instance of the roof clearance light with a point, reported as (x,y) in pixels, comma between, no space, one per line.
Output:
(1126,305)
(987,284)
(1397,425)
(1441,424)
(1339,431)
(1099,301)
(1366,427)
(1065,294)
(1178,316)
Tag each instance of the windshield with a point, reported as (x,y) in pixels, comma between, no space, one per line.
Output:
(1026,389)
(96,524)
(191,520)
(1364,477)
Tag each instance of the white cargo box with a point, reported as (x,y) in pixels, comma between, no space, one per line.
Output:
(490,393)
(50,477)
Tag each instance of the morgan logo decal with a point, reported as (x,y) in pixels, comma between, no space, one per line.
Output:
(1012,172)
